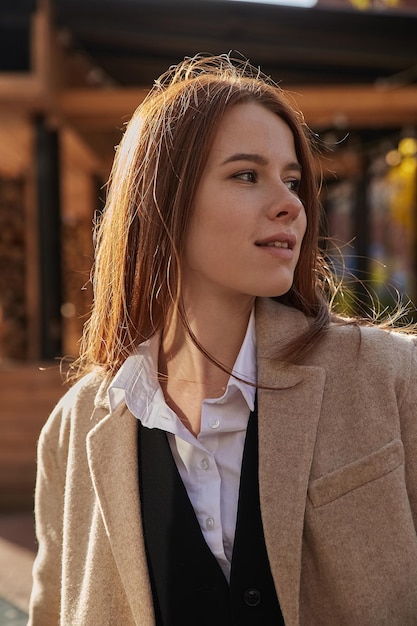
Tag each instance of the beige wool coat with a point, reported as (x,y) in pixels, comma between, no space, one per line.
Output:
(338,488)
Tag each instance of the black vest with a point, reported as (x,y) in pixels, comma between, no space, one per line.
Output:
(188,585)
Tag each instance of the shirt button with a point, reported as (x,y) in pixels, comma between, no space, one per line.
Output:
(214,423)
(252,597)
(205,463)
(209,523)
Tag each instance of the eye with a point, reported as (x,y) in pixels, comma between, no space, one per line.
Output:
(293,185)
(247,176)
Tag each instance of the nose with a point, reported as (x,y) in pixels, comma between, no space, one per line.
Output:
(285,205)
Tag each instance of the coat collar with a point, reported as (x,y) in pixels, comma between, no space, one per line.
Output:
(288,419)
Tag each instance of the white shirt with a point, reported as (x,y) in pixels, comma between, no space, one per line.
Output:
(210,463)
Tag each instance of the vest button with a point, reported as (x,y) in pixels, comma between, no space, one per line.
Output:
(252,597)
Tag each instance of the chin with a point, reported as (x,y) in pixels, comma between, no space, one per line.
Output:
(274,291)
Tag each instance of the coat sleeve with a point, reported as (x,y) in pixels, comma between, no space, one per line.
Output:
(408,416)
(44,607)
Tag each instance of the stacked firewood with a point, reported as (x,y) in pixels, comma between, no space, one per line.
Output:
(13,311)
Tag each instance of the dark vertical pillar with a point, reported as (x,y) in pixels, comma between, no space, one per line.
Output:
(99,195)
(49,220)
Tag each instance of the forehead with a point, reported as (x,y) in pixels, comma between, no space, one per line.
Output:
(252,128)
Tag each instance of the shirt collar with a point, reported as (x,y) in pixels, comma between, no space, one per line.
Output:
(137,384)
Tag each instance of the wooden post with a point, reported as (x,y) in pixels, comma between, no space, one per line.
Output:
(49,220)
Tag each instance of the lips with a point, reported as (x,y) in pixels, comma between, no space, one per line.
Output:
(285,241)
(275,244)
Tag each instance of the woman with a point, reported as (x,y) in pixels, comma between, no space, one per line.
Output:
(211,339)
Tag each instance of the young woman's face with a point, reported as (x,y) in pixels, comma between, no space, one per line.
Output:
(248,222)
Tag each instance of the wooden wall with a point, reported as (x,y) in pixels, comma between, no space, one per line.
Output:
(27,395)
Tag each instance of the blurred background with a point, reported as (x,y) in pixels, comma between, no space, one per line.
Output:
(71,74)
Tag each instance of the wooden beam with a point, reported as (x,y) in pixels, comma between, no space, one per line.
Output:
(323,106)
(21,92)
(32,92)
(100,109)
(357,106)
(42,48)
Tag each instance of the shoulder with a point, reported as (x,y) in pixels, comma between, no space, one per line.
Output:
(345,340)
(370,338)
(277,323)
(367,354)
(77,405)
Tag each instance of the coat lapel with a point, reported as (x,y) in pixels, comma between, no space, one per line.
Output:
(288,419)
(112,457)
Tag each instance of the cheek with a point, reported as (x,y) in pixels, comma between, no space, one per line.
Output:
(302,234)
(201,240)
(304,223)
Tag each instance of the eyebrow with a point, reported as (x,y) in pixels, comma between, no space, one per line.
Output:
(259,159)
(243,156)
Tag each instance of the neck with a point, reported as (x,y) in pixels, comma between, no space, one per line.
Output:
(219,332)
(187,375)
